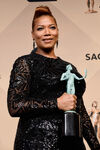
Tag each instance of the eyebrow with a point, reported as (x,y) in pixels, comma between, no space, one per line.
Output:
(49,25)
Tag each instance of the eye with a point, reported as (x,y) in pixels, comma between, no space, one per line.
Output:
(39,28)
(53,27)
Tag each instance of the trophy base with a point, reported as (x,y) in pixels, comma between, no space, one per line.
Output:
(71,125)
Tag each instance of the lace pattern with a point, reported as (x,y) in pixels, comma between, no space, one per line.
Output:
(32,95)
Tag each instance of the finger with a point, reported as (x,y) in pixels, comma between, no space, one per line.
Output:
(75,96)
(75,101)
(75,106)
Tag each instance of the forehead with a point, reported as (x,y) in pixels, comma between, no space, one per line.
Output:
(45,20)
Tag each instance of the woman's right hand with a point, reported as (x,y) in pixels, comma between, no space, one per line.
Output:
(67,102)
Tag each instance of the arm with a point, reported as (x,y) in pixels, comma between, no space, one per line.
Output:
(63,77)
(19,101)
(76,77)
(88,130)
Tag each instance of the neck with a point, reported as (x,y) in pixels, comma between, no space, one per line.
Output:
(68,71)
(46,52)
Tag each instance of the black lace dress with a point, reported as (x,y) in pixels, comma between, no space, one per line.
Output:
(32,95)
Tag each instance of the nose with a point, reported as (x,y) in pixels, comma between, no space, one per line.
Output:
(47,32)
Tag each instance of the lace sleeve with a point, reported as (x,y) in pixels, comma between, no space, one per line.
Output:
(88,130)
(18,99)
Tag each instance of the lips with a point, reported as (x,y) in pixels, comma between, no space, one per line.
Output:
(47,40)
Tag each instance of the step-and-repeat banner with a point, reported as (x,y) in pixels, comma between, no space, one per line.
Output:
(79,43)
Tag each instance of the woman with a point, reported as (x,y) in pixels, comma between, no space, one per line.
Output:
(95,117)
(38,97)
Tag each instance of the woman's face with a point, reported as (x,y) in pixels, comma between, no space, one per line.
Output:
(45,32)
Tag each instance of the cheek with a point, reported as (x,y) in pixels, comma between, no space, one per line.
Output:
(37,36)
(55,34)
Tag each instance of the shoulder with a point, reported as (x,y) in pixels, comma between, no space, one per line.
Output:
(22,63)
(65,63)
(24,59)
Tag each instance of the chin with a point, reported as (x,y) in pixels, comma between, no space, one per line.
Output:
(48,49)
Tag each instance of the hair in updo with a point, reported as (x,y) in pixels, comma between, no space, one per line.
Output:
(41,11)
